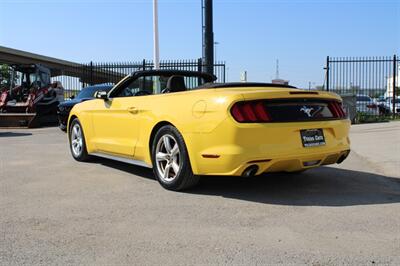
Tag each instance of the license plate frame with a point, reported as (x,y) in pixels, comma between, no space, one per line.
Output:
(312,137)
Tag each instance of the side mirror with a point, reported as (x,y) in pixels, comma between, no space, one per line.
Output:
(101,95)
(72,97)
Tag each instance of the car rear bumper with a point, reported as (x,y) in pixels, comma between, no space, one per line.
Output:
(270,147)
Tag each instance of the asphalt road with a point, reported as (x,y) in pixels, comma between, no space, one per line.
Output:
(54,210)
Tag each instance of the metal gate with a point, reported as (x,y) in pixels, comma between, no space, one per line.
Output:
(110,73)
(374,81)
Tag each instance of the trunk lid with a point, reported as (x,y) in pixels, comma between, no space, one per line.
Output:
(285,105)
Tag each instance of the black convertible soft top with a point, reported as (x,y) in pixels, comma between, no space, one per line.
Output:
(245,85)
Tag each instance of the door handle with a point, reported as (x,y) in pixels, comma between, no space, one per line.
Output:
(133,110)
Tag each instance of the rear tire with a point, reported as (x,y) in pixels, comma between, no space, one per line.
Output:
(77,142)
(171,164)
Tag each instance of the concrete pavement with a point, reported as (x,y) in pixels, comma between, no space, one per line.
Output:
(379,145)
(54,210)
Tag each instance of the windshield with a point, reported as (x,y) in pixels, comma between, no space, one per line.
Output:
(33,77)
(88,92)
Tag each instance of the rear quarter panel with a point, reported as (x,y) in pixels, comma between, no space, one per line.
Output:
(198,111)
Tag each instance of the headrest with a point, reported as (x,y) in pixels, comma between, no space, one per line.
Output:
(176,84)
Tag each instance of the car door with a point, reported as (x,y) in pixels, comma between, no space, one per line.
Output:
(116,121)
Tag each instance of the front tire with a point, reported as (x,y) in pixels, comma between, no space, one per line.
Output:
(171,164)
(77,142)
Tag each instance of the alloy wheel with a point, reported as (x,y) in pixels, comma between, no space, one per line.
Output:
(168,161)
(76,140)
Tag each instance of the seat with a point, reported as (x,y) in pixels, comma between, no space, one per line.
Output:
(176,84)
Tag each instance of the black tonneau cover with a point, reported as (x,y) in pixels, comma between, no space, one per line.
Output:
(244,85)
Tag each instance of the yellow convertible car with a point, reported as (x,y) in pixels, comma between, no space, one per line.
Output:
(183,126)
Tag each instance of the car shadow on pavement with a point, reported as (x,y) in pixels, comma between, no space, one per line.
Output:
(324,186)
(14,134)
(125,167)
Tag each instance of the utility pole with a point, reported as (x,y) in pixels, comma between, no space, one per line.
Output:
(208,35)
(277,69)
(156,48)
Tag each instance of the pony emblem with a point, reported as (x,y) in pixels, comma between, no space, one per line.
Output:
(307,110)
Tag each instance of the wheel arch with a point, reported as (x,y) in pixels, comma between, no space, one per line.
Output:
(154,131)
(159,125)
(71,118)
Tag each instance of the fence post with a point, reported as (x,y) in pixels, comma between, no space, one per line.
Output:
(394,86)
(91,72)
(224,69)
(144,64)
(327,73)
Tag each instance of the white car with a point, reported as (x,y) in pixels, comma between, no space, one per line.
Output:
(367,105)
(388,103)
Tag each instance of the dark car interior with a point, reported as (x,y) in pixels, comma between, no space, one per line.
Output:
(160,81)
(175,84)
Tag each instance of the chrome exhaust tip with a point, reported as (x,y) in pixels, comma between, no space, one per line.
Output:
(250,171)
(343,157)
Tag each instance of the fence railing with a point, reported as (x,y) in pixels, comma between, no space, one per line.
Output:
(373,80)
(110,73)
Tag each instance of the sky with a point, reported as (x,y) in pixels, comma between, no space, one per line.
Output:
(251,34)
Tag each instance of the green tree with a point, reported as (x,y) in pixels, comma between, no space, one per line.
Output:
(6,75)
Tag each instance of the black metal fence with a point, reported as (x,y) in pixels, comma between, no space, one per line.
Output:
(110,73)
(373,80)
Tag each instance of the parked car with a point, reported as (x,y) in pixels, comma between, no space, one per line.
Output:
(367,105)
(182,125)
(85,94)
(387,104)
(383,107)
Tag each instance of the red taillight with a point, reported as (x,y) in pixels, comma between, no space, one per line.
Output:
(336,110)
(261,112)
(373,106)
(250,112)
(237,113)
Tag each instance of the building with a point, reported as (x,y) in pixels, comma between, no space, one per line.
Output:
(389,85)
(280,81)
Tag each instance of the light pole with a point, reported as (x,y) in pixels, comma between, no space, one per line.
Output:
(208,35)
(156,48)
